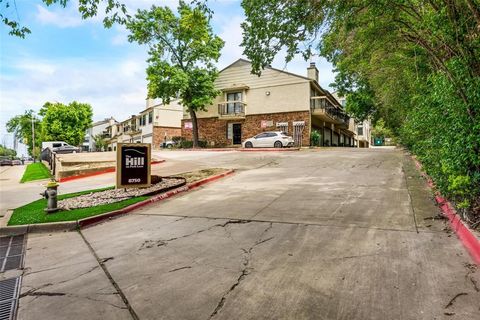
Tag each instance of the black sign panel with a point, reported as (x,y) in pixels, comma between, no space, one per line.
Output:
(133,165)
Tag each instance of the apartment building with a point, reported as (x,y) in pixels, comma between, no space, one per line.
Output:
(277,100)
(157,123)
(97,128)
(362,129)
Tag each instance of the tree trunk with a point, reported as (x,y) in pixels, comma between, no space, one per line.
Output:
(193,116)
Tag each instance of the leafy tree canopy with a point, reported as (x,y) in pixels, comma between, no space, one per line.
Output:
(115,12)
(7,152)
(415,64)
(22,125)
(182,53)
(65,122)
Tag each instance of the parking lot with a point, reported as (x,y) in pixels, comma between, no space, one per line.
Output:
(330,234)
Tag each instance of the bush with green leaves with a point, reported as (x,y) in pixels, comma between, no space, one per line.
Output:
(315,138)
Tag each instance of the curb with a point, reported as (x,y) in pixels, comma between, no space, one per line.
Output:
(240,149)
(268,149)
(90,221)
(463,232)
(96,173)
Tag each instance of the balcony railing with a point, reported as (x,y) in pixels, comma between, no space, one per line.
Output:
(231,109)
(323,104)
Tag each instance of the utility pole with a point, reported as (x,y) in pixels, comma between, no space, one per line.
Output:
(33,138)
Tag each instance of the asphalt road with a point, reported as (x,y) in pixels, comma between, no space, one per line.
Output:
(331,234)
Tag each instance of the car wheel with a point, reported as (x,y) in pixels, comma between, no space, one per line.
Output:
(248,145)
(277,144)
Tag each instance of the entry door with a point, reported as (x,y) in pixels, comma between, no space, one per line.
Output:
(237,133)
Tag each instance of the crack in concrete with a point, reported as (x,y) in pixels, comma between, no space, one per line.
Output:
(38,294)
(128,306)
(148,244)
(247,257)
(32,291)
(181,268)
(44,293)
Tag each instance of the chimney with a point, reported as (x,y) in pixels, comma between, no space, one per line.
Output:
(150,102)
(312,72)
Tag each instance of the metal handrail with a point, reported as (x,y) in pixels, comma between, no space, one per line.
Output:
(231,108)
(330,109)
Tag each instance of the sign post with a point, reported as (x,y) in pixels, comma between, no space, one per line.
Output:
(133,165)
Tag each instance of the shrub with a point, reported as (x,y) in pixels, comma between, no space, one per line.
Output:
(187,144)
(177,139)
(315,138)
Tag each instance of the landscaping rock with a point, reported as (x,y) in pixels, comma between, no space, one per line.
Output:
(117,195)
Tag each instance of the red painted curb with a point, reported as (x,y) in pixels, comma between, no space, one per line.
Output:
(209,179)
(463,232)
(100,218)
(469,240)
(268,149)
(96,173)
(241,149)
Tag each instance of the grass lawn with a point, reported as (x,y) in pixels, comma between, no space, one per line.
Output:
(33,212)
(35,171)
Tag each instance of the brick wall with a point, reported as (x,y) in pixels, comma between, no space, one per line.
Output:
(252,124)
(212,130)
(159,135)
(215,130)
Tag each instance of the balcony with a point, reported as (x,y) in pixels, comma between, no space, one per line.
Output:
(327,111)
(231,110)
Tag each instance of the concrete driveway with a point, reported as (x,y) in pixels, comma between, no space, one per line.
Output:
(331,234)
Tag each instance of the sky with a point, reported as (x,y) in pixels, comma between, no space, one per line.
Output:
(66,58)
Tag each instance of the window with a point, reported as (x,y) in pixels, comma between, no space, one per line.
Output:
(234,107)
(150,117)
(261,136)
(360,130)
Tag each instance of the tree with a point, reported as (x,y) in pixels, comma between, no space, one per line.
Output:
(182,52)
(22,125)
(415,64)
(100,142)
(115,12)
(65,122)
(6,152)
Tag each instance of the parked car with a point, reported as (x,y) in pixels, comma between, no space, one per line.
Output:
(66,149)
(53,144)
(168,144)
(6,162)
(269,139)
(16,162)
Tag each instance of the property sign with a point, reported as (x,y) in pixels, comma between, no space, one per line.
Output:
(188,125)
(266,123)
(133,165)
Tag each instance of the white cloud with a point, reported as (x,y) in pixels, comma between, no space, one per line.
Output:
(114,87)
(66,18)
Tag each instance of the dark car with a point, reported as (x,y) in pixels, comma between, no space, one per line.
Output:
(6,162)
(66,149)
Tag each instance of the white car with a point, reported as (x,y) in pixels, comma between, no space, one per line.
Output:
(269,139)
